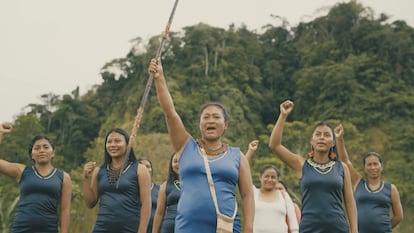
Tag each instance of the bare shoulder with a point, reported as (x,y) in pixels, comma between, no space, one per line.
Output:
(66,176)
(142,169)
(394,188)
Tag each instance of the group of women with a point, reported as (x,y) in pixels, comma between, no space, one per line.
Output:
(326,183)
(335,198)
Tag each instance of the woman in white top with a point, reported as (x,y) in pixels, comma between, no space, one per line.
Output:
(274,210)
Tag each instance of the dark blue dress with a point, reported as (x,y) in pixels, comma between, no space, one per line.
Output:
(154,197)
(322,198)
(373,208)
(173,195)
(119,208)
(37,210)
(196,211)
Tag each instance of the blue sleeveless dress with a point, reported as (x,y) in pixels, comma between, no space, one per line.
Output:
(154,197)
(119,208)
(196,211)
(322,198)
(373,208)
(37,210)
(173,195)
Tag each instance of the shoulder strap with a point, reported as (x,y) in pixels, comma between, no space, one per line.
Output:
(286,217)
(211,184)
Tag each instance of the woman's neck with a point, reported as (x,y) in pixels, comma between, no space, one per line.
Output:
(44,169)
(268,194)
(320,157)
(212,147)
(374,180)
(117,163)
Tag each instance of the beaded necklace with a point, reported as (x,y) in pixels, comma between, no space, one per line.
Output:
(321,168)
(113,173)
(220,150)
(376,190)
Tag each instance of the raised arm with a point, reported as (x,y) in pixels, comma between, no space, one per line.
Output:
(175,126)
(13,170)
(252,149)
(343,155)
(275,143)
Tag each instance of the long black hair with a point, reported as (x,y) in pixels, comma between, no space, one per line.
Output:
(108,158)
(171,174)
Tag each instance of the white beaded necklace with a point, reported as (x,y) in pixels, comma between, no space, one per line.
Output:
(324,168)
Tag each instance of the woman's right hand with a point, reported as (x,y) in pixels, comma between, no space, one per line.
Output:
(155,68)
(253,145)
(339,131)
(88,169)
(6,127)
(286,107)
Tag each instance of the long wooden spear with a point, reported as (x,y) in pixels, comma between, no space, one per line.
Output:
(140,110)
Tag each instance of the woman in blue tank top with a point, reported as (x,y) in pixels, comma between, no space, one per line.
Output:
(155,188)
(124,200)
(325,182)
(375,198)
(43,189)
(196,211)
(169,195)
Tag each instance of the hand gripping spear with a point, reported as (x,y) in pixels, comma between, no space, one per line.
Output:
(140,109)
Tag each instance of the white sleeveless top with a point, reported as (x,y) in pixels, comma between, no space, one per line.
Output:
(270,216)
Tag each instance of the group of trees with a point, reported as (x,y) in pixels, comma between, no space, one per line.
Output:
(346,67)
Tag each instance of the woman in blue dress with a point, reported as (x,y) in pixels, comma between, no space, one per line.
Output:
(169,195)
(325,182)
(44,191)
(155,188)
(124,201)
(229,168)
(375,198)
